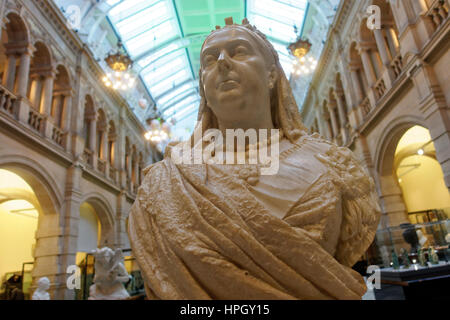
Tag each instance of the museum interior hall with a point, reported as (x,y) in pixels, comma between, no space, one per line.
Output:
(95,93)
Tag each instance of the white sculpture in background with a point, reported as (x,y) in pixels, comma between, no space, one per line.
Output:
(110,274)
(41,292)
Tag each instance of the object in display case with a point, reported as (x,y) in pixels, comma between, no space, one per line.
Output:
(422,258)
(405,259)
(432,256)
(394,257)
(410,236)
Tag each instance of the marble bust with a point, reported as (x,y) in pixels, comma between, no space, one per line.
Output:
(110,274)
(41,293)
(220,231)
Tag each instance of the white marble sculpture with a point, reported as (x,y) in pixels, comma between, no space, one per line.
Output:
(110,274)
(41,291)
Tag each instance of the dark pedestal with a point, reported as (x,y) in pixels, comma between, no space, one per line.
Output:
(425,283)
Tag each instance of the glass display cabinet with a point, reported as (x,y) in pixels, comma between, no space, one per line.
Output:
(414,258)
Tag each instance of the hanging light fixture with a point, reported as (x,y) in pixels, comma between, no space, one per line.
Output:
(160,130)
(299,49)
(119,78)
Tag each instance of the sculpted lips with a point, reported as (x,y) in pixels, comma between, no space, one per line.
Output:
(228,84)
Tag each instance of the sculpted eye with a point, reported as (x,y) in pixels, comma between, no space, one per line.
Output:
(240,51)
(209,59)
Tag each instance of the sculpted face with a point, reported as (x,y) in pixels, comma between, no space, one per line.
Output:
(236,77)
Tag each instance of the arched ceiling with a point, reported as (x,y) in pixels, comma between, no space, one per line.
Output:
(164,37)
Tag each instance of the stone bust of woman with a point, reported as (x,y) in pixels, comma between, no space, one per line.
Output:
(214,231)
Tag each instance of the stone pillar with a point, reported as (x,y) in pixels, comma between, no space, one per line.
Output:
(93,135)
(382,47)
(56,110)
(342,114)
(136,173)
(23,74)
(393,206)
(9,74)
(356,85)
(47,94)
(392,41)
(66,107)
(368,68)
(334,122)
(36,90)
(435,110)
(70,215)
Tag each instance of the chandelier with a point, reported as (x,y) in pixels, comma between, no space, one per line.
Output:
(304,65)
(119,78)
(299,49)
(159,133)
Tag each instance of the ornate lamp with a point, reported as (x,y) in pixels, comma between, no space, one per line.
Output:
(299,49)
(159,132)
(120,63)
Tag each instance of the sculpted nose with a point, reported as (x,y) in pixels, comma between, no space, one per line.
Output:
(223,61)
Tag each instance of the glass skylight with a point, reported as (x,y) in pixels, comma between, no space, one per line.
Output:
(156,35)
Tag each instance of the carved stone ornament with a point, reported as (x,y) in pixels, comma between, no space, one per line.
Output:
(228,231)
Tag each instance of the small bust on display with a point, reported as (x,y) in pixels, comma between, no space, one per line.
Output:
(41,293)
(204,229)
(110,274)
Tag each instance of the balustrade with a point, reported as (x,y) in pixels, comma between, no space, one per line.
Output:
(35,120)
(380,88)
(7,100)
(58,136)
(88,156)
(365,107)
(438,12)
(101,166)
(397,65)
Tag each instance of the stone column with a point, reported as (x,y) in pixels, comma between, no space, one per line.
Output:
(36,90)
(342,114)
(56,110)
(136,173)
(24,73)
(434,108)
(356,84)
(93,134)
(333,121)
(67,105)
(368,68)
(382,48)
(70,215)
(47,94)
(392,41)
(10,72)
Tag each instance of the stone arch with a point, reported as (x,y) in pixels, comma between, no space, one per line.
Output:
(61,92)
(385,149)
(105,214)
(42,57)
(37,177)
(393,204)
(16,28)
(47,252)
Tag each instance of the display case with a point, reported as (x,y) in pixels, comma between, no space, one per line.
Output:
(414,258)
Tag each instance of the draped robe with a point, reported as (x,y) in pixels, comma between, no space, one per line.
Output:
(204,232)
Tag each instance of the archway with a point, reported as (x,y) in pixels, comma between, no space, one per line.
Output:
(19,214)
(420,176)
(48,201)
